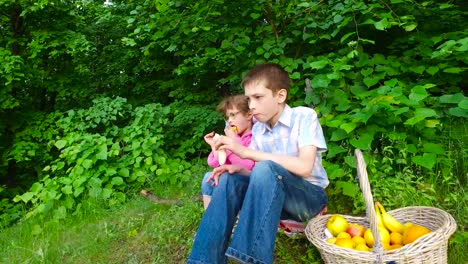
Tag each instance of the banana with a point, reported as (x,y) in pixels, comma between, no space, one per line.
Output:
(389,221)
(221,153)
(378,216)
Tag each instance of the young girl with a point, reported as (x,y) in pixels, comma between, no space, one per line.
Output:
(239,124)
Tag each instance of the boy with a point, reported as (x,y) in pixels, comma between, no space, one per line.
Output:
(288,179)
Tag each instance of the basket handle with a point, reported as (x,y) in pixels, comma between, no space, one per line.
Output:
(370,208)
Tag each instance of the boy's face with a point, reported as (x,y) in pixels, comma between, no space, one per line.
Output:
(265,105)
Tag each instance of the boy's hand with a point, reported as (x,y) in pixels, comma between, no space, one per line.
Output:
(224,142)
(231,169)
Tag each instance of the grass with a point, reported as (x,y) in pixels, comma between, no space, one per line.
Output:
(136,232)
(140,231)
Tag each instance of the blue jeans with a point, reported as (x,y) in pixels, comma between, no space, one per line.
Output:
(207,187)
(262,198)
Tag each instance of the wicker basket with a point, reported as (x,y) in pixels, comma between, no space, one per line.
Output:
(431,248)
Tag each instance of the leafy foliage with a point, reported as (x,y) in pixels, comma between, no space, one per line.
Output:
(387,77)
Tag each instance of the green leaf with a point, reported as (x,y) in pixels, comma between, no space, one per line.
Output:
(87,163)
(60,144)
(349,189)
(432,70)
(463,104)
(434,148)
(366,72)
(455,70)
(427,160)
(318,64)
(371,81)
(363,142)
(391,83)
(418,69)
(117,181)
(425,112)
(382,24)
(348,127)
(418,93)
(451,98)
(458,112)
(338,134)
(410,27)
(124,172)
(67,189)
(334,149)
(320,81)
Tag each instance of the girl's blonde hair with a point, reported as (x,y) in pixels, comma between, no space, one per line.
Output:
(238,101)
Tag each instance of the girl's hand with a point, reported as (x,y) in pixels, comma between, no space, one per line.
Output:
(209,139)
(231,169)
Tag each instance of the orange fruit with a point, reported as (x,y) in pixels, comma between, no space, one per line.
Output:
(396,238)
(414,232)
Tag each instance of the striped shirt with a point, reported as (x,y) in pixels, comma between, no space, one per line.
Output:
(296,128)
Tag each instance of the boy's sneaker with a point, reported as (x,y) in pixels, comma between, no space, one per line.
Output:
(293,228)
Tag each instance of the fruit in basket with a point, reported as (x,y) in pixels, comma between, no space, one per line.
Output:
(391,247)
(343,235)
(414,232)
(369,238)
(345,242)
(331,240)
(359,240)
(396,238)
(355,229)
(337,224)
(384,236)
(389,221)
(362,247)
(378,216)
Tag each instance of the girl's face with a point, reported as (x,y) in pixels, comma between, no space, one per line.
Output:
(236,118)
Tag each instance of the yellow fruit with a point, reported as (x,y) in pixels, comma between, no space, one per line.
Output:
(414,232)
(392,247)
(369,237)
(343,235)
(396,238)
(406,225)
(378,216)
(362,247)
(359,240)
(389,221)
(345,242)
(384,236)
(331,240)
(337,224)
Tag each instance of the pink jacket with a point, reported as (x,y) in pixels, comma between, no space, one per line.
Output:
(232,158)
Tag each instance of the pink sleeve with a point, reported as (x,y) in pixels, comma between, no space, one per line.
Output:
(234,159)
(212,160)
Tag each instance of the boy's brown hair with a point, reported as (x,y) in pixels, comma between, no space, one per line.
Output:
(274,76)
(241,102)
